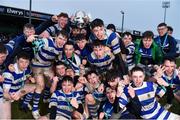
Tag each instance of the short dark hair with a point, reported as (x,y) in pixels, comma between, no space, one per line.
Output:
(97,43)
(169,59)
(111,26)
(126,33)
(63,33)
(28,25)
(67,79)
(96,23)
(162,24)
(80,37)
(62,14)
(136,68)
(23,55)
(91,72)
(60,63)
(3,49)
(170,28)
(68,43)
(111,75)
(148,34)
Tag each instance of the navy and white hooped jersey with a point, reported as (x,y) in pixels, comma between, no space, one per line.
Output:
(53,30)
(111,40)
(10,46)
(62,102)
(146,56)
(15,80)
(108,109)
(146,53)
(129,57)
(99,96)
(82,91)
(74,62)
(151,109)
(174,80)
(102,64)
(46,54)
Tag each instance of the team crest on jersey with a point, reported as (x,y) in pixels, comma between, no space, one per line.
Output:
(148,95)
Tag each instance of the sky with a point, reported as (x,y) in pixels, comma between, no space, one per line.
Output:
(139,15)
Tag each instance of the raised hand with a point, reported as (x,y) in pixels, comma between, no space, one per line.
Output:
(15,95)
(159,71)
(120,88)
(55,79)
(74,103)
(31,38)
(101,88)
(131,92)
(32,79)
(82,80)
(1,78)
(101,115)
(179,72)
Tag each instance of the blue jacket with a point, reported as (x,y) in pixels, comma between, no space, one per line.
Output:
(18,43)
(167,44)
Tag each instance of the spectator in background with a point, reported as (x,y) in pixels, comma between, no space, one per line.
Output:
(166,42)
(170,30)
(111,27)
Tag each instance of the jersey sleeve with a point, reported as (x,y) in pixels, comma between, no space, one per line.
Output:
(159,90)
(124,98)
(53,100)
(115,45)
(8,79)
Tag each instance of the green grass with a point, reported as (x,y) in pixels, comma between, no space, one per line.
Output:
(19,114)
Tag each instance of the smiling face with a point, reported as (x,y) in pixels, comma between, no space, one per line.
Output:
(93,79)
(60,40)
(23,63)
(2,57)
(99,32)
(162,30)
(169,67)
(127,39)
(114,83)
(67,87)
(138,78)
(62,21)
(60,70)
